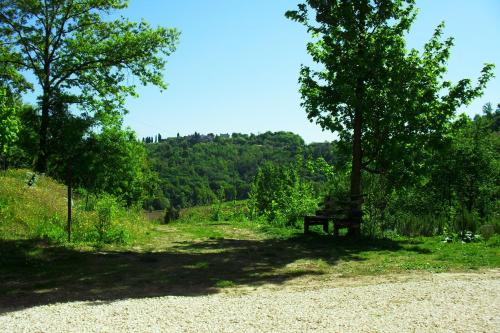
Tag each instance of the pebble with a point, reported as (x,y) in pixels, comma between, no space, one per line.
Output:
(440,303)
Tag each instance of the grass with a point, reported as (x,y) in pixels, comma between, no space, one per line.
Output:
(197,256)
(40,211)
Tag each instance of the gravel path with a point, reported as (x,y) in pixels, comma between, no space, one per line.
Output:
(416,303)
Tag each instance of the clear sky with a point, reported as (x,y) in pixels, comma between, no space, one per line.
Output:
(237,64)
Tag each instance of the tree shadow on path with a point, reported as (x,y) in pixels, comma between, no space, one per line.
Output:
(35,273)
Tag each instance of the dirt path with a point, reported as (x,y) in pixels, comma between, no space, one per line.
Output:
(448,302)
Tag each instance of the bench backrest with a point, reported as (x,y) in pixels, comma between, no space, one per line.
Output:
(339,209)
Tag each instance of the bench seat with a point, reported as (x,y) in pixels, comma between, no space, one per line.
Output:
(324,220)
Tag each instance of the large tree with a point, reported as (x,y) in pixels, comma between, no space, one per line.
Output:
(74,47)
(383,100)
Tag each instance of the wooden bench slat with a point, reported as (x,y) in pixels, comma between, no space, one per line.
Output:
(340,212)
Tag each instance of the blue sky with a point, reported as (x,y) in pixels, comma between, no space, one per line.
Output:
(237,63)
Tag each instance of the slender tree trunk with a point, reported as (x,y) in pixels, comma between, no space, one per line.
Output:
(70,199)
(357,151)
(41,162)
(357,155)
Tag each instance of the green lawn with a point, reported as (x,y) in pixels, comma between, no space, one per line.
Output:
(197,257)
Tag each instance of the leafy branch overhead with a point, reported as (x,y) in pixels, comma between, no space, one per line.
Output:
(71,48)
(367,77)
(9,123)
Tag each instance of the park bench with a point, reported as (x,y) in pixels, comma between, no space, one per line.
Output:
(340,213)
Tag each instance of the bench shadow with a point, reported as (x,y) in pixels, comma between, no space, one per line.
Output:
(33,272)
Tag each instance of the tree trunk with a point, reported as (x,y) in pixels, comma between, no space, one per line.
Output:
(41,162)
(357,155)
(357,151)
(70,199)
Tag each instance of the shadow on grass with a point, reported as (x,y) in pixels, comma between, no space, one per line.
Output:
(34,273)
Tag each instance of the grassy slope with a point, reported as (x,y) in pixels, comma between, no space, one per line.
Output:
(24,209)
(40,211)
(197,256)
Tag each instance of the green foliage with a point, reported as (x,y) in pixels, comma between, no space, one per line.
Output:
(465,172)
(118,165)
(52,229)
(9,123)
(217,207)
(106,208)
(386,103)
(487,231)
(79,57)
(194,168)
(73,46)
(39,211)
(279,194)
(110,160)
(455,193)
(26,147)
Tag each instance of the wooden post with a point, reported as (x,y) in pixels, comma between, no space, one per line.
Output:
(69,201)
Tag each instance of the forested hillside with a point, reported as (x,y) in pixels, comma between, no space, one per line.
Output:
(200,169)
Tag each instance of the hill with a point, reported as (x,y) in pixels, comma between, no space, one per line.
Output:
(200,169)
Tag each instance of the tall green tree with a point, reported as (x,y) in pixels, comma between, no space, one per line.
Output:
(69,45)
(9,124)
(117,164)
(382,99)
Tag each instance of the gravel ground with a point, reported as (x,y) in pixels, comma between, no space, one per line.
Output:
(416,303)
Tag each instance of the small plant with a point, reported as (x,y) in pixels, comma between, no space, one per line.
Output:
(225,284)
(52,229)
(108,231)
(217,214)
(105,209)
(31,179)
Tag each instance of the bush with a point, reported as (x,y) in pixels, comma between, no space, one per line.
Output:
(486,231)
(106,208)
(279,194)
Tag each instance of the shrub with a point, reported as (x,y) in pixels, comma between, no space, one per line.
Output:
(486,231)
(106,208)
(171,214)
(279,194)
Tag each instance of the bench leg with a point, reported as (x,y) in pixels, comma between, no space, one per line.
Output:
(325,227)
(306,227)
(335,231)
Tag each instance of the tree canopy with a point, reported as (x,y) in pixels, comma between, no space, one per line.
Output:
(73,49)
(9,123)
(384,101)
